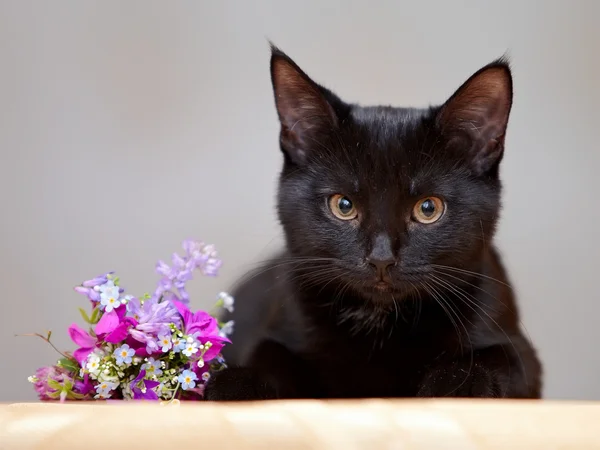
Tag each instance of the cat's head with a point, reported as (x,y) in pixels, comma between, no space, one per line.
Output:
(376,199)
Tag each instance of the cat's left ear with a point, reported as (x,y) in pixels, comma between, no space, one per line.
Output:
(476,116)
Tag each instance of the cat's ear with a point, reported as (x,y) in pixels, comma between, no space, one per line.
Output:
(305,109)
(476,116)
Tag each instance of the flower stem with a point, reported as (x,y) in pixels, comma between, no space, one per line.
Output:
(174,393)
(44,339)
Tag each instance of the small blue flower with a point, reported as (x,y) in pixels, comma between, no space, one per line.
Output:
(187,380)
(178,343)
(164,342)
(124,354)
(152,367)
(104,390)
(191,347)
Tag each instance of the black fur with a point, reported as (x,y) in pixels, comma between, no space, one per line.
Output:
(439,318)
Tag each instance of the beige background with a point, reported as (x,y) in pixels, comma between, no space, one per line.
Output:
(127,126)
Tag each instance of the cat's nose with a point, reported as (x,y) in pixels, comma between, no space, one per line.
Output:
(381,264)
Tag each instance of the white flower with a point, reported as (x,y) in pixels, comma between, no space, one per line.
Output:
(109,287)
(187,380)
(164,342)
(124,354)
(109,296)
(106,377)
(126,391)
(200,362)
(227,329)
(152,367)
(190,348)
(227,301)
(105,388)
(93,364)
(178,343)
(206,376)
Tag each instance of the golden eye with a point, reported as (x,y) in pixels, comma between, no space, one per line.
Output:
(342,207)
(428,210)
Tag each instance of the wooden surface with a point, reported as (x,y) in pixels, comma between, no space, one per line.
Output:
(364,424)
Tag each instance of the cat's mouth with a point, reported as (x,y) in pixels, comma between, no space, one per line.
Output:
(382,290)
(382,286)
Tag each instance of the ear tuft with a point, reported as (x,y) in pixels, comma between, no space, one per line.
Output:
(479,111)
(304,111)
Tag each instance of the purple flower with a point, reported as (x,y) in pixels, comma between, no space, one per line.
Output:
(87,287)
(99,280)
(147,391)
(84,386)
(197,256)
(86,343)
(204,328)
(90,293)
(153,318)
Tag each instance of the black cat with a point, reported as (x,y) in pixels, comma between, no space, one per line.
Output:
(390,285)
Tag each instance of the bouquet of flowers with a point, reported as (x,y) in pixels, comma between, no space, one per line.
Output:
(150,347)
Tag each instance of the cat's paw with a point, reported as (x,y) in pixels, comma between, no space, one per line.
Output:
(461,379)
(238,384)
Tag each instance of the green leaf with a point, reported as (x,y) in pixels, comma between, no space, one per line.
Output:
(53,395)
(69,364)
(74,396)
(68,385)
(84,315)
(95,316)
(116,281)
(55,385)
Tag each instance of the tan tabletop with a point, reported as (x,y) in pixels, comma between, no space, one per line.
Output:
(348,425)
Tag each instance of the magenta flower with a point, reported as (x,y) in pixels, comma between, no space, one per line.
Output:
(86,343)
(145,393)
(114,326)
(203,327)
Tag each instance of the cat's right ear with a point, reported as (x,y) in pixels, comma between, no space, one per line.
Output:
(306,115)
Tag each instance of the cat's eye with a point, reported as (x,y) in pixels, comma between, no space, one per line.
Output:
(428,210)
(342,207)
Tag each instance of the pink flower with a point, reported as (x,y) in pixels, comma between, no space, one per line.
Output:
(57,383)
(114,327)
(86,343)
(203,327)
